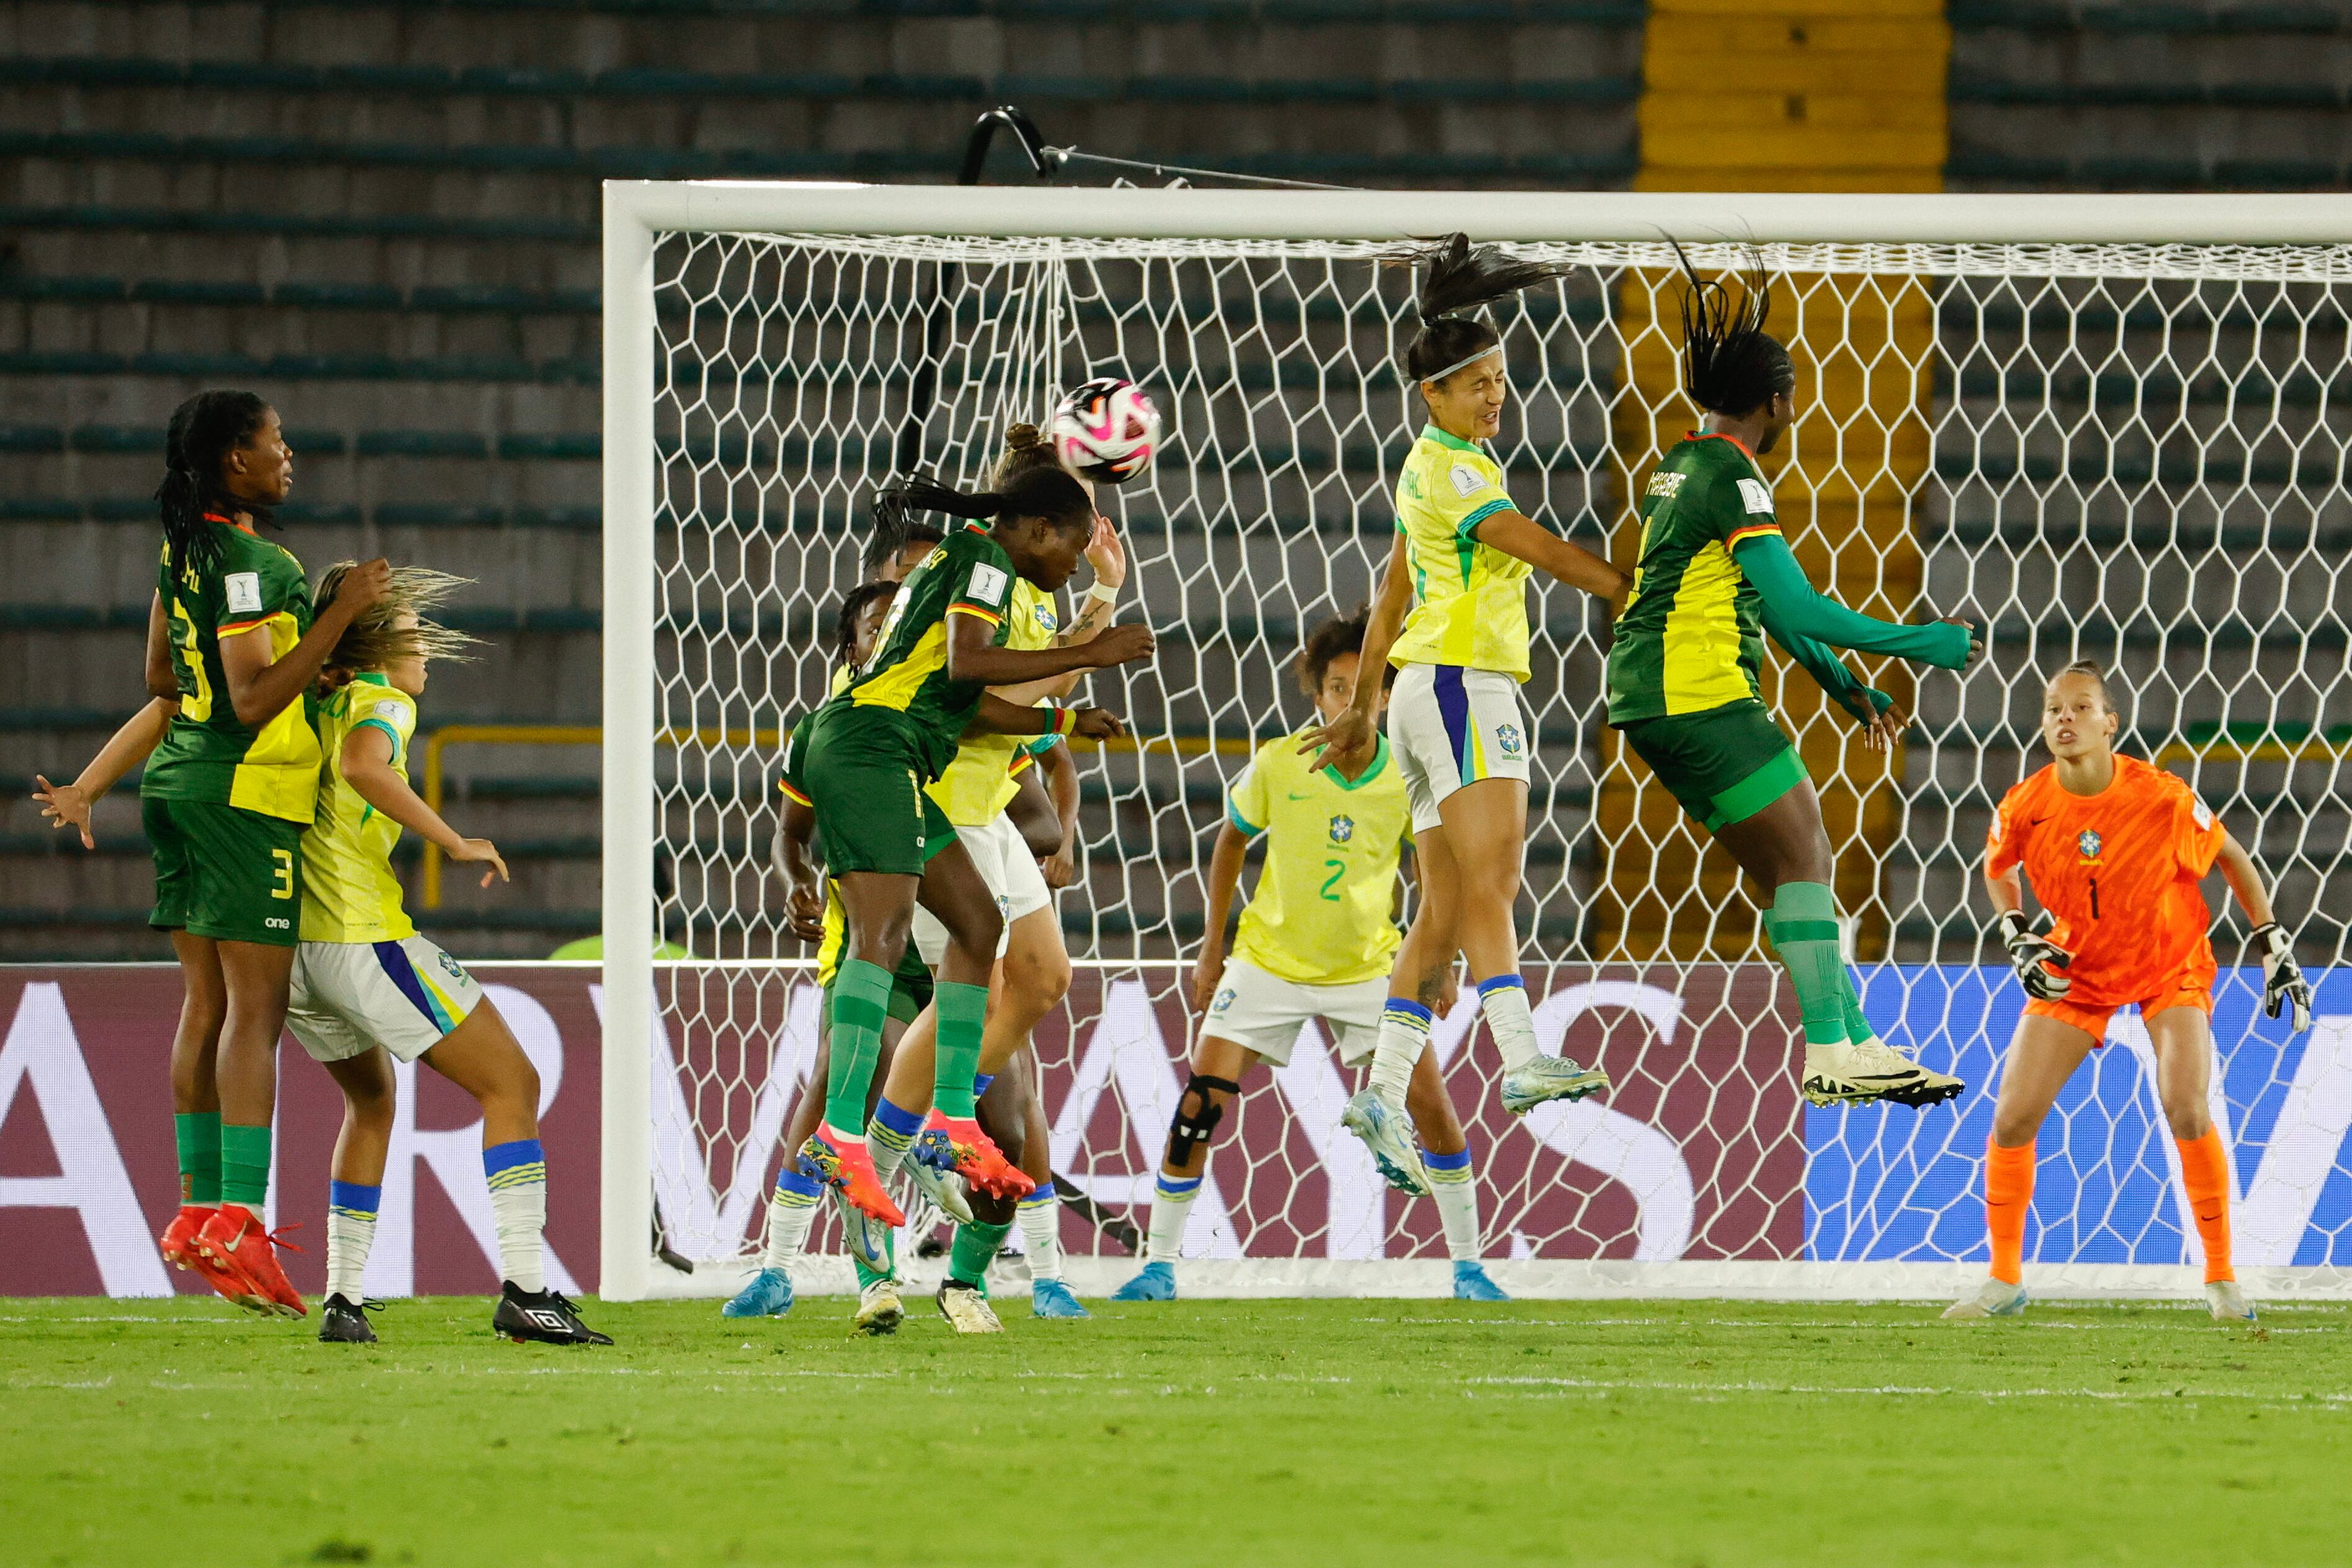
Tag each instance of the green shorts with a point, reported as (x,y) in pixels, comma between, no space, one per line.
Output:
(225,872)
(873,813)
(1723,765)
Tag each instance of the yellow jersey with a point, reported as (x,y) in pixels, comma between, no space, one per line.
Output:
(349,892)
(978,785)
(1469,602)
(1323,911)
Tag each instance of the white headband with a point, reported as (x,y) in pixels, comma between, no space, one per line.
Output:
(1464,364)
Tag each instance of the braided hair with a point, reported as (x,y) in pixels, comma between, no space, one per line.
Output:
(1731,364)
(894,528)
(204,431)
(1047,493)
(1460,281)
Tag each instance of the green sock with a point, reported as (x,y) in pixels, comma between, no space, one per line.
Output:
(861,1001)
(245,1166)
(975,1248)
(1857,1024)
(198,1133)
(963,1009)
(1857,1027)
(1804,929)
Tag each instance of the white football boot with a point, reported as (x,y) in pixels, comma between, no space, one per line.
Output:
(1856,1074)
(879,1311)
(964,1307)
(1993,1299)
(1388,1136)
(2229,1302)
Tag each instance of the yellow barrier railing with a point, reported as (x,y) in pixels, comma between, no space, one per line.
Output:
(2226,750)
(440,740)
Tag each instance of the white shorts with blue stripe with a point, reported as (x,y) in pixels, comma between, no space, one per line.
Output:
(1449,726)
(348,996)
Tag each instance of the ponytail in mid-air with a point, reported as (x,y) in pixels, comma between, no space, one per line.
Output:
(374,640)
(1731,364)
(1047,493)
(204,431)
(1457,282)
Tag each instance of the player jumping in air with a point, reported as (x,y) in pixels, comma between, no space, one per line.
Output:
(1032,968)
(1714,575)
(868,753)
(2115,848)
(1459,736)
(1316,942)
(232,651)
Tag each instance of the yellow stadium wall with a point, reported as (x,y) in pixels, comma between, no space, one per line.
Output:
(1842,95)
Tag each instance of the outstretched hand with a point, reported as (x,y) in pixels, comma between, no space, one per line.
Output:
(1347,743)
(481,851)
(64,806)
(1976,637)
(1120,644)
(1098,724)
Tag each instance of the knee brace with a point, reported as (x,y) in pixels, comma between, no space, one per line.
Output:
(1197,1115)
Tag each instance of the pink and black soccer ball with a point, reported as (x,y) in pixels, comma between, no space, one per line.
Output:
(1106,429)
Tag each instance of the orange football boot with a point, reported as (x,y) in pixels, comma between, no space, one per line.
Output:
(232,1239)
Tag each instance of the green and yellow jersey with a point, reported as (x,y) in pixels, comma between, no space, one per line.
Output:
(208,754)
(905,680)
(349,891)
(1691,638)
(979,784)
(1323,911)
(1469,602)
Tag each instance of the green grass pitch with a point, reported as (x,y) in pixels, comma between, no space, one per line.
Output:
(1361,1432)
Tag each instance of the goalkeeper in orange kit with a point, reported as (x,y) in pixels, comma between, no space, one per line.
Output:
(2115,848)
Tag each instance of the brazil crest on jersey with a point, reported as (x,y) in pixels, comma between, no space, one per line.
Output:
(978,785)
(349,891)
(1691,637)
(209,754)
(907,677)
(1323,913)
(1469,602)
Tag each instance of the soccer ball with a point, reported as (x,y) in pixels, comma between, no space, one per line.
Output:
(1106,429)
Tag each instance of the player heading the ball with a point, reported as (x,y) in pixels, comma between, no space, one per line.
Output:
(1452,616)
(1714,575)
(893,729)
(2115,848)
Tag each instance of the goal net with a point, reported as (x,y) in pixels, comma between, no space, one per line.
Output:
(2099,446)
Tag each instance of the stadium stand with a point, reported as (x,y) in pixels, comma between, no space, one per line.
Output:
(383,216)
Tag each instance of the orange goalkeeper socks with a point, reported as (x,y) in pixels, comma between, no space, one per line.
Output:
(2205,1175)
(2009,1192)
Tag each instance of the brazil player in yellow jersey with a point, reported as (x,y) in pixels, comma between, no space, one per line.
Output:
(233,647)
(367,988)
(1316,942)
(1715,574)
(1452,616)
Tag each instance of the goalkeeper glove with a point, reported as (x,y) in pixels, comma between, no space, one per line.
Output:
(2029,953)
(2283,981)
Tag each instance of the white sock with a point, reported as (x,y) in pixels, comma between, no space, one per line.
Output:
(790,1214)
(1504,1001)
(517,1177)
(351,1232)
(1041,1230)
(1454,1190)
(1404,1035)
(1171,1209)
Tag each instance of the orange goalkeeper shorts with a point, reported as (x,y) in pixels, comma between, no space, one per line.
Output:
(2093,1021)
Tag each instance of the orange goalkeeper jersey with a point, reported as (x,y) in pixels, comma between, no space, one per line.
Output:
(2119,871)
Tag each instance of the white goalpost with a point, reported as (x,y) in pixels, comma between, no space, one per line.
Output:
(2106,426)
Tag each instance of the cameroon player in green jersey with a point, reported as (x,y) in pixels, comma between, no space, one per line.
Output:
(1715,575)
(868,753)
(233,648)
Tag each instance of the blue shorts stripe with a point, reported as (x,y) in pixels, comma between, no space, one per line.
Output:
(393,960)
(1453,712)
